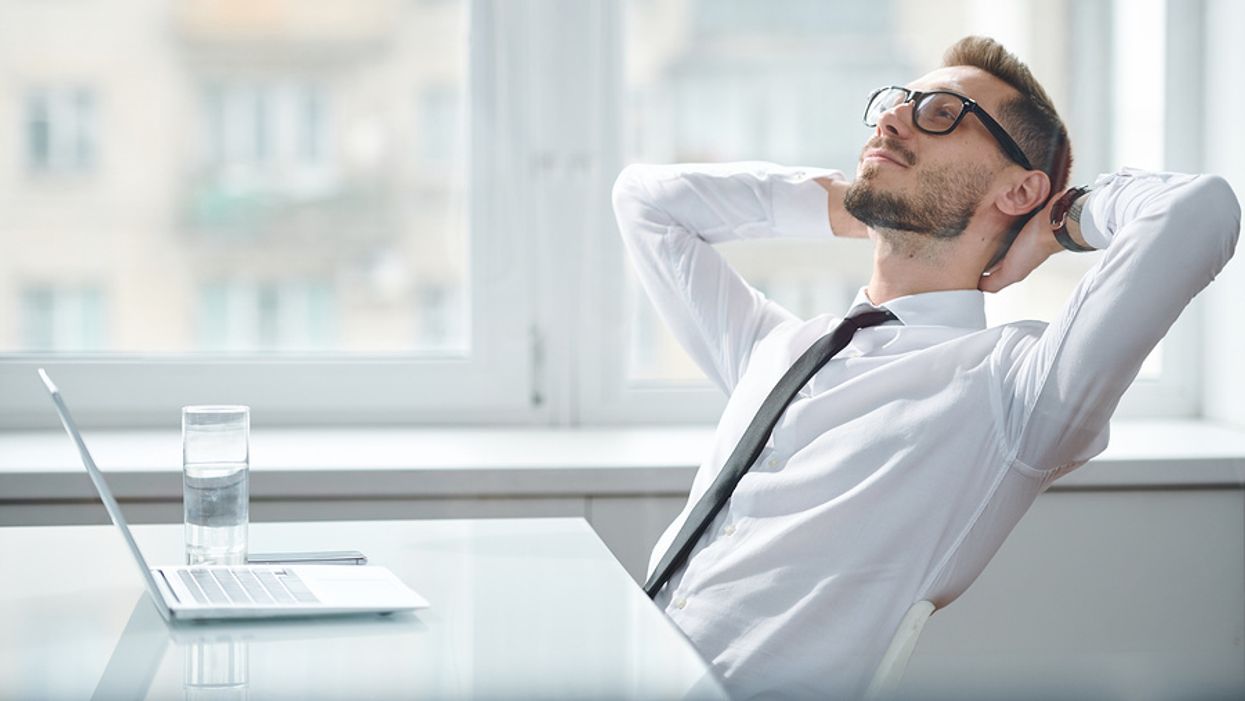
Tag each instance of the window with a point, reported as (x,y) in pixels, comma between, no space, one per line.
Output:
(267,316)
(400,212)
(60,130)
(276,207)
(267,125)
(63,319)
(724,80)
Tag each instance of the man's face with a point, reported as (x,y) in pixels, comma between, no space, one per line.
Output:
(910,180)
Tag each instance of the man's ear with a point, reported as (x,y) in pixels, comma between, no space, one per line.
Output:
(1027,192)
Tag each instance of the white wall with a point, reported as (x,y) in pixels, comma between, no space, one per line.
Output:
(1100,594)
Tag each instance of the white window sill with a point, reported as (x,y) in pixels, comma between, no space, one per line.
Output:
(509,462)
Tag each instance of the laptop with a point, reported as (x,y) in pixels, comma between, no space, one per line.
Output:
(249,591)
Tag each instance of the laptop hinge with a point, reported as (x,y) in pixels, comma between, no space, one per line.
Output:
(169,585)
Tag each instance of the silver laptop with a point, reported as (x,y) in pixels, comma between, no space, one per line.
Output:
(250,591)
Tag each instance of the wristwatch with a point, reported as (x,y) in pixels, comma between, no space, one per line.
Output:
(1068,206)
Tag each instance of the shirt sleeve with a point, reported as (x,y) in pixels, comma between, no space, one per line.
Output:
(1167,236)
(671,215)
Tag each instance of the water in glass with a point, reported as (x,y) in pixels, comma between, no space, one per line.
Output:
(216,500)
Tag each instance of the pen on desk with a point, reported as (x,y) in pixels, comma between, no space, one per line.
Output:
(326,557)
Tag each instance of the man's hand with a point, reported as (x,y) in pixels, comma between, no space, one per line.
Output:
(1033,245)
(841,223)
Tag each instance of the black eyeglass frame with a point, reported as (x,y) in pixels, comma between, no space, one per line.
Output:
(968,104)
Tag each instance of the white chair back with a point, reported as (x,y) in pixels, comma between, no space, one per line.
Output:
(890,671)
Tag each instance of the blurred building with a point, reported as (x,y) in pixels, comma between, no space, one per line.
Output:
(232,175)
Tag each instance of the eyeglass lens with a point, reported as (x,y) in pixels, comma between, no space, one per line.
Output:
(935,112)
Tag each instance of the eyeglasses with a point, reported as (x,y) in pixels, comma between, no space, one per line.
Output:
(940,112)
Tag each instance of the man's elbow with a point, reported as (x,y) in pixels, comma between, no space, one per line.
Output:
(1207,217)
(633,202)
(1216,199)
(628,186)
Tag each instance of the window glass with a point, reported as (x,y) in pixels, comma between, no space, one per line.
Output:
(252,177)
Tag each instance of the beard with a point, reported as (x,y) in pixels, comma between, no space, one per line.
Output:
(941,209)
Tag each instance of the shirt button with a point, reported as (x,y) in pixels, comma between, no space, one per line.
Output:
(680,602)
(771,462)
(729,530)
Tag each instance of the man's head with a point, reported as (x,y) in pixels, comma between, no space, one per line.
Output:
(911,182)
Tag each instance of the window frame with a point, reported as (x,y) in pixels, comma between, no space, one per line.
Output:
(493,384)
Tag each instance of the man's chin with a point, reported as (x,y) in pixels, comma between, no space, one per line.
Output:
(869,170)
(873,165)
(868,181)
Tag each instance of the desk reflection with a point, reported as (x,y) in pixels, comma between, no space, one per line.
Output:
(304,658)
(216,668)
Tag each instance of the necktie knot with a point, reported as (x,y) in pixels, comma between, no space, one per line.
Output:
(863,316)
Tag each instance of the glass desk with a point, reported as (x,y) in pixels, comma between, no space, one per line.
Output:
(521,609)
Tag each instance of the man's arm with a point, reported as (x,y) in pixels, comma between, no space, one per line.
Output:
(841,222)
(671,215)
(1166,236)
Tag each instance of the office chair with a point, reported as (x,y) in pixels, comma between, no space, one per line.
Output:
(890,670)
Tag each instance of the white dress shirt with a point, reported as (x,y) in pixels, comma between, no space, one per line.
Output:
(900,468)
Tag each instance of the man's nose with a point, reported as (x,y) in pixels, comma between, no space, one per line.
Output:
(896,121)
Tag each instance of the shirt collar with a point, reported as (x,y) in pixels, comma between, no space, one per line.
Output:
(965,309)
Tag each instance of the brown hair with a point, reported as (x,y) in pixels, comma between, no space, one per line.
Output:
(1030,117)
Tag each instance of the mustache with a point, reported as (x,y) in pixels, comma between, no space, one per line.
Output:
(890,146)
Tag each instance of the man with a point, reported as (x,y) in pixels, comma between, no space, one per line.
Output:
(894,473)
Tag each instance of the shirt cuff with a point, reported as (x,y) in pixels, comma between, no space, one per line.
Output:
(1094,229)
(1091,232)
(801,205)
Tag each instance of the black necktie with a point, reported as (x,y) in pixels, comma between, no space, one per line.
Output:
(755,437)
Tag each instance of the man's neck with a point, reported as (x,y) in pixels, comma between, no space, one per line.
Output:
(905,263)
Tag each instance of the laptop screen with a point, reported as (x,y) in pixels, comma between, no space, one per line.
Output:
(97,478)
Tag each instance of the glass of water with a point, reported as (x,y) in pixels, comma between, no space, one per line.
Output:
(215,493)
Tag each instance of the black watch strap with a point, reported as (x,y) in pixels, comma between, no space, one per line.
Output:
(1064,208)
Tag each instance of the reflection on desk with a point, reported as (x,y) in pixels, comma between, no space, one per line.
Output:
(214,660)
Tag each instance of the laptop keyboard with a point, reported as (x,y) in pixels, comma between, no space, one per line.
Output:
(249,585)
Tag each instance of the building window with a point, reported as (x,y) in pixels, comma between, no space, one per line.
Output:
(244,317)
(61,130)
(266,125)
(63,319)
